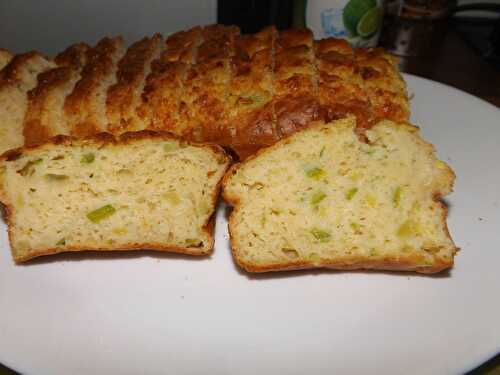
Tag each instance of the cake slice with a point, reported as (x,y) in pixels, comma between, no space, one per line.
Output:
(143,190)
(85,106)
(125,95)
(44,116)
(323,198)
(17,78)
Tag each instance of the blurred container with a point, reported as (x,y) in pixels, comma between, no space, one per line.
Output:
(253,15)
(358,21)
(414,27)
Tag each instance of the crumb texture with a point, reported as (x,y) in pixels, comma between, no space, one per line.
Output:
(155,193)
(323,198)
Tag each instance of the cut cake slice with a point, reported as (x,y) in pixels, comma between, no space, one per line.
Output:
(143,190)
(324,198)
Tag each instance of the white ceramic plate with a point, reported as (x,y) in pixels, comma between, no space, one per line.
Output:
(161,314)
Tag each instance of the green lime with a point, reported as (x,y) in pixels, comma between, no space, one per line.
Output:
(354,11)
(370,22)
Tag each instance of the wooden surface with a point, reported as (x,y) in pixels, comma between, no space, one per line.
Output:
(455,63)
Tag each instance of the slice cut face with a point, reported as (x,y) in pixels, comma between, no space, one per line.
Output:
(143,190)
(323,198)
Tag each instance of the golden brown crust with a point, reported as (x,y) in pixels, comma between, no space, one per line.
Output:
(207,82)
(18,66)
(108,138)
(160,107)
(258,130)
(74,56)
(383,84)
(309,84)
(247,45)
(218,42)
(295,82)
(296,112)
(407,263)
(341,90)
(248,91)
(403,262)
(34,130)
(340,46)
(294,37)
(252,121)
(37,127)
(132,247)
(79,105)
(16,79)
(241,91)
(182,46)
(121,97)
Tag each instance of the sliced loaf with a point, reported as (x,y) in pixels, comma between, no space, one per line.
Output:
(143,190)
(323,198)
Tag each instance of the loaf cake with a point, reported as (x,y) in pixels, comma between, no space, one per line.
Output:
(326,197)
(142,190)
(208,84)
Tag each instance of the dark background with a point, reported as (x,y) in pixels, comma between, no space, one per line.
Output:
(461,51)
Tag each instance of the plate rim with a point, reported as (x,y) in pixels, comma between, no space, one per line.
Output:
(495,352)
(480,360)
